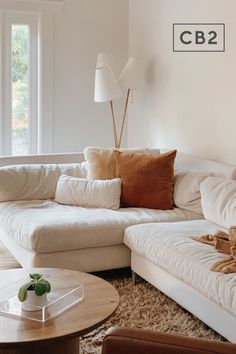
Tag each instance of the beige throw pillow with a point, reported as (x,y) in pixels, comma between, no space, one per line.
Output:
(102,162)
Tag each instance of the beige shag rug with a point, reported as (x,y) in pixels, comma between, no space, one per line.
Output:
(141,306)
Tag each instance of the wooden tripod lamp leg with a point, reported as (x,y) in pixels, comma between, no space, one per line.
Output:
(114,125)
(124,117)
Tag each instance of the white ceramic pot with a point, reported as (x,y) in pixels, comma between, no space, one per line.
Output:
(33,300)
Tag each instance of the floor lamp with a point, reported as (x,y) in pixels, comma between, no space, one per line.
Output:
(105,59)
(106,90)
(130,78)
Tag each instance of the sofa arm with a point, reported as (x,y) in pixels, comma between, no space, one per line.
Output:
(137,341)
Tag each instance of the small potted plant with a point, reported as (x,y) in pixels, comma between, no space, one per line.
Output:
(33,294)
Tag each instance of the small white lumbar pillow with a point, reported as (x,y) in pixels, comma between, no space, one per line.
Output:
(218,198)
(87,193)
(187,189)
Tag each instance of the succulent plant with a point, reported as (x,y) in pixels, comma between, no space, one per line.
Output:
(37,284)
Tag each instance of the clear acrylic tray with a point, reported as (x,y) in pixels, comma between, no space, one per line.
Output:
(61,298)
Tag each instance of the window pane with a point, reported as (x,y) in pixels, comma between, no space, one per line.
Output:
(20,89)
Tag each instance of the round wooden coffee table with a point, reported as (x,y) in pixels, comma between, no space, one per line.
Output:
(59,335)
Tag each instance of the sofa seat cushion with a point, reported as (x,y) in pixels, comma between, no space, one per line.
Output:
(170,246)
(44,226)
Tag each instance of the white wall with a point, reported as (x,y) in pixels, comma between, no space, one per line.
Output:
(189,101)
(83,29)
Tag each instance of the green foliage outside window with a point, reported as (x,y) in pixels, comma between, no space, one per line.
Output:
(20,87)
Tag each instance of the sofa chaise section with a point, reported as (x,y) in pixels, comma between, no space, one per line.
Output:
(171,247)
(166,255)
(45,232)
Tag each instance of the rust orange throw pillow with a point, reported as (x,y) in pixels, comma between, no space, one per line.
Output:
(147,179)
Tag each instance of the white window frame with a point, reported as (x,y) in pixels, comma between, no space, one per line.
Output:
(31,20)
(45,10)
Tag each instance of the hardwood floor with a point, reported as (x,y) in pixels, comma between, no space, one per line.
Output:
(7,261)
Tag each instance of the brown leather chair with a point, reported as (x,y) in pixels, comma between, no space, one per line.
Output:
(136,341)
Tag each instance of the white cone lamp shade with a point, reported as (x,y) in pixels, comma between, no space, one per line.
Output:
(132,75)
(106,85)
(105,59)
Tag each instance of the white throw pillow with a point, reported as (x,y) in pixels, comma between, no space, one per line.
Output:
(187,189)
(30,182)
(218,196)
(87,193)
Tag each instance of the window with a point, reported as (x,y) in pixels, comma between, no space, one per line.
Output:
(26,75)
(22,94)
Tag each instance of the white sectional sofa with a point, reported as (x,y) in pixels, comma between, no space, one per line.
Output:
(157,244)
(40,232)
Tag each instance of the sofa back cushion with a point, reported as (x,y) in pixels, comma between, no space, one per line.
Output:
(102,162)
(87,193)
(29,182)
(187,189)
(147,179)
(219,169)
(218,197)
